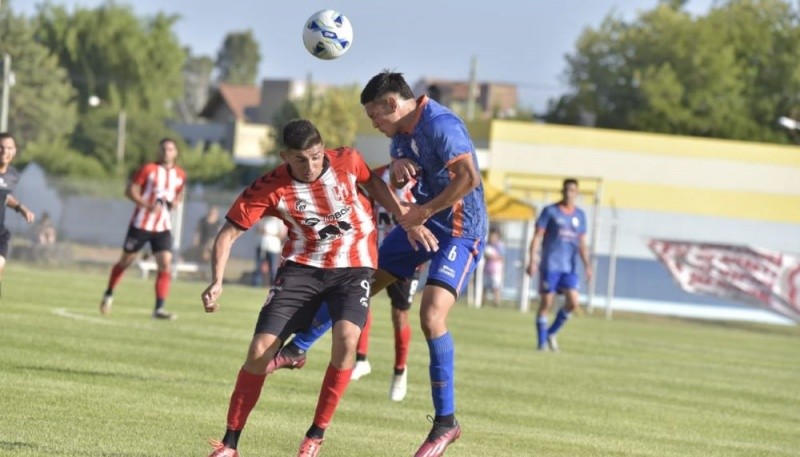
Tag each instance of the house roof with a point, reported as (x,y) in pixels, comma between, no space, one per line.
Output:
(238,98)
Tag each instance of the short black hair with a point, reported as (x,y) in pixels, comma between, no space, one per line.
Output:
(386,82)
(569,181)
(166,140)
(301,134)
(5,135)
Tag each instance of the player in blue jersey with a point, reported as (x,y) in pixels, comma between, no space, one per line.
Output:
(431,145)
(561,233)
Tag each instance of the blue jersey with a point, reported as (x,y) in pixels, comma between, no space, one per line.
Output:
(439,139)
(562,232)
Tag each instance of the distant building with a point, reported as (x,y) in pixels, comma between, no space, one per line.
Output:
(492,99)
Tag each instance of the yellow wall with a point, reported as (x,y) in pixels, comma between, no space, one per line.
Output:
(649,172)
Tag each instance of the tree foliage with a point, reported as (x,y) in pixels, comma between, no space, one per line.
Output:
(131,63)
(238,59)
(206,165)
(41,102)
(334,111)
(196,86)
(728,74)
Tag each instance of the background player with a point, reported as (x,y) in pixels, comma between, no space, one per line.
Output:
(561,233)
(9,177)
(156,188)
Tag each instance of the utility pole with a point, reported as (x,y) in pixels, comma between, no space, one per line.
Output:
(472,89)
(122,122)
(6,90)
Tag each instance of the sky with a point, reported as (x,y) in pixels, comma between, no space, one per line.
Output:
(523,42)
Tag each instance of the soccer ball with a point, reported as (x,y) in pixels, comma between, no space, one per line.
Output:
(328,34)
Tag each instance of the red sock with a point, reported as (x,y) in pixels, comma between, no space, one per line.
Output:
(333,388)
(244,398)
(116,275)
(402,339)
(162,284)
(363,340)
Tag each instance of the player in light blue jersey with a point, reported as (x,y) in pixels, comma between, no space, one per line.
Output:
(561,233)
(431,145)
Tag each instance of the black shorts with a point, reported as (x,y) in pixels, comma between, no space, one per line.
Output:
(136,238)
(299,291)
(401,292)
(5,236)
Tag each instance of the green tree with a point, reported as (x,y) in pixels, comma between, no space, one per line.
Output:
(133,63)
(41,103)
(728,74)
(238,59)
(334,111)
(196,84)
(206,164)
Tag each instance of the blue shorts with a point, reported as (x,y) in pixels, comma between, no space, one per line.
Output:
(557,281)
(450,266)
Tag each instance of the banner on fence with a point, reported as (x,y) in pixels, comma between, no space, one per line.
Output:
(759,277)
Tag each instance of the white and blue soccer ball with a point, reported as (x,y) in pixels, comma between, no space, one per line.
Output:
(328,34)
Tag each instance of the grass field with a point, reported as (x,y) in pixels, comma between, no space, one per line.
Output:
(75,384)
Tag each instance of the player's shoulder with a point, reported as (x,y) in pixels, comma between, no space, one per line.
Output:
(343,156)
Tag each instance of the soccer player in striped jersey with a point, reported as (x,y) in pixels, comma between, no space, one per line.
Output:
(401,295)
(156,188)
(330,255)
(561,233)
(9,177)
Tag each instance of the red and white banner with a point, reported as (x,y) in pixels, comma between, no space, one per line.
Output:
(767,279)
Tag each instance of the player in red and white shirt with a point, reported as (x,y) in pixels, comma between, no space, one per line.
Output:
(330,255)
(156,188)
(401,294)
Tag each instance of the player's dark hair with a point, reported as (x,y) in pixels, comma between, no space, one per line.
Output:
(5,135)
(384,83)
(569,181)
(166,140)
(301,134)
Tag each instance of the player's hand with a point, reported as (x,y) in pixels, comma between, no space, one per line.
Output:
(531,269)
(414,216)
(210,297)
(404,169)
(588,273)
(28,215)
(420,237)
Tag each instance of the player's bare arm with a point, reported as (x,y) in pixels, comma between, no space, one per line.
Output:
(219,260)
(17,206)
(465,179)
(134,193)
(419,236)
(533,263)
(583,250)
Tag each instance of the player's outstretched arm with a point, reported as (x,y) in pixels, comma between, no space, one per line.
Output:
(465,179)
(219,260)
(380,192)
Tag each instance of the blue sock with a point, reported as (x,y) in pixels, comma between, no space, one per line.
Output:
(442,370)
(541,330)
(561,317)
(322,322)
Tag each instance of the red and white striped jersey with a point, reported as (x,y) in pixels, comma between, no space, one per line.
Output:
(330,225)
(384,220)
(158,183)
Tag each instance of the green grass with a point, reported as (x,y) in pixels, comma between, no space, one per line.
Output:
(74,384)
